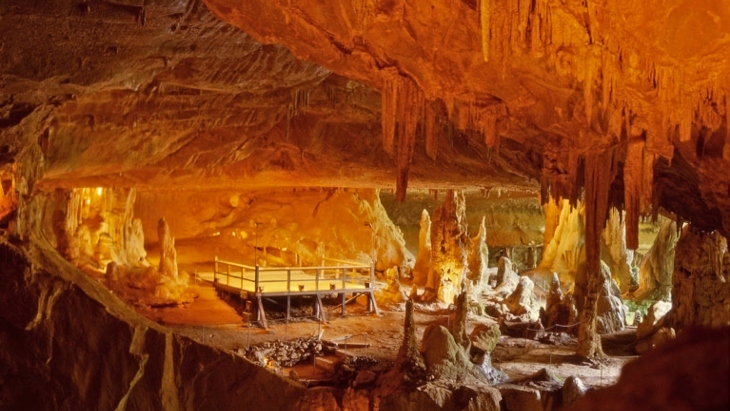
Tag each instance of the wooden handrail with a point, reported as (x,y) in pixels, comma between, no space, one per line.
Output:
(356,271)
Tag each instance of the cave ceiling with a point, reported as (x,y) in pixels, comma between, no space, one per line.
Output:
(370,93)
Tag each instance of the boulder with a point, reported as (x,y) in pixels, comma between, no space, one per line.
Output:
(656,312)
(520,301)
(573,389)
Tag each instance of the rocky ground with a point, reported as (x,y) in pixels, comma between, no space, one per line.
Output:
(217,320)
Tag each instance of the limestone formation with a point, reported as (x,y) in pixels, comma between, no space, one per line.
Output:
(614,252)
(700,286)
(423,259)
(409,360)
(458,330)
(445,359)
(560,313)
(564,253)
(520,301)
(478,257)
(590,104)
(573,389)
(693,356)
(484,340)
(654,315)
(390,294)
(168,254)
(655,272)
(611,308)
(448,249)
(507,279)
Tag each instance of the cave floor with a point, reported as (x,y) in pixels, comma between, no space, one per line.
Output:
(219,321)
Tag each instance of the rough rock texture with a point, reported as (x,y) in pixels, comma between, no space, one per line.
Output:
(611,312)
(51,357)
(560,314)
(449,242)
(520,301)
(484,339)
(611,308)
(656,312)
(614,252)
(513,219)
(564,252)
(423,258)
(279,227)
(168,254)
(506,279)
(573,389)
(696,365)
(391,294)
(700,283)
(447,360)
(477,260)
(409,359)
(655,272)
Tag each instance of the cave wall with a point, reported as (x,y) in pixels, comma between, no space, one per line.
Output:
(68,343)
(286,225)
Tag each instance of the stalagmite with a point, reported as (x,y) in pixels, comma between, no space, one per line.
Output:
(478,259)
(448,249)
(168,254)
(423,259)
(409,359)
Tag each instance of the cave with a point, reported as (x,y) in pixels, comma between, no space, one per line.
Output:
(364,205)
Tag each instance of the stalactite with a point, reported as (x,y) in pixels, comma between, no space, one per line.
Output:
(389,108)
(647,187)
(462,115)
(590,68)
(485,18)
(633,181)
(726,148)
(431,130)
(600,171)
(410,106)
(488,126)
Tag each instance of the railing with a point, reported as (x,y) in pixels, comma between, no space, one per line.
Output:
(324,278)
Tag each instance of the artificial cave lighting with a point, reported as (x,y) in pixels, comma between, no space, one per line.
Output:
(369,205)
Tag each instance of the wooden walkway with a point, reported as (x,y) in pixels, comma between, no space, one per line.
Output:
(255,283)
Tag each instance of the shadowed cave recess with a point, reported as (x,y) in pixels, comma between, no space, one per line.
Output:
(364,205)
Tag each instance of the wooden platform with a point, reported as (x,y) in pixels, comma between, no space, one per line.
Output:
(256,283)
